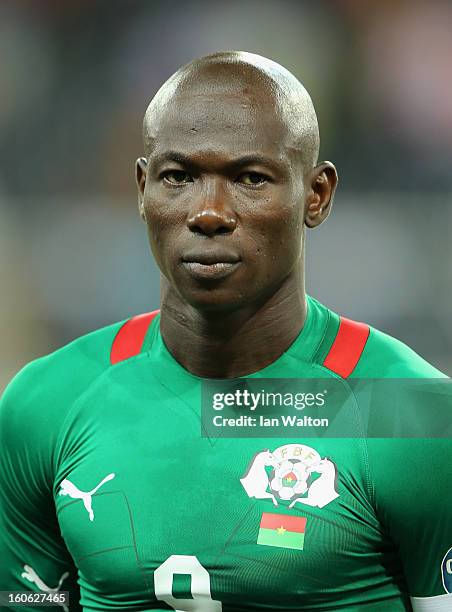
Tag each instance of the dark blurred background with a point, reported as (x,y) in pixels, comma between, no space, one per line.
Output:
(75,79)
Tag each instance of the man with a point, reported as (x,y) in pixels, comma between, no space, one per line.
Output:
(108,489)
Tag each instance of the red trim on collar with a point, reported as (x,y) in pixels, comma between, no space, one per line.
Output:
(130,337)
(347,347)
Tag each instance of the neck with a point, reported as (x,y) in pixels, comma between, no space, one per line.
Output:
(233,343)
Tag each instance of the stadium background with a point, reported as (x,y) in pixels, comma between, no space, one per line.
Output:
(75,80)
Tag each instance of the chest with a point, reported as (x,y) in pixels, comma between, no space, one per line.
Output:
(152,512)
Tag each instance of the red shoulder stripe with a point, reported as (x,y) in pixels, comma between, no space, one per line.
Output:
(130,337)
(347,347)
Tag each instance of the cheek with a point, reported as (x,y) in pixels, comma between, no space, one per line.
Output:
(278,236)
(163,225)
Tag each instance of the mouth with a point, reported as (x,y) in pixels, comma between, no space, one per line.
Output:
(212,266)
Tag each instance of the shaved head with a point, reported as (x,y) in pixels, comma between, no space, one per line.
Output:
(244,79)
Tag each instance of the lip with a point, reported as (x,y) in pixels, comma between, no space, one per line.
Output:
(210,271)
(210,257)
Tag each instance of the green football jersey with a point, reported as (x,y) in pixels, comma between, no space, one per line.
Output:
(109,491)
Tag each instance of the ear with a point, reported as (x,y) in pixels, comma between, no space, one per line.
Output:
(140,177)
(322,185)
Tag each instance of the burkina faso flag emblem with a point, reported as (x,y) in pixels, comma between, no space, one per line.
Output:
(282,530)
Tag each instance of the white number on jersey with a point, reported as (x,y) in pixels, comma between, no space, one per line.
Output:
(200,585)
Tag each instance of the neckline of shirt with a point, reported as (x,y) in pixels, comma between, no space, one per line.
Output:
(303,348)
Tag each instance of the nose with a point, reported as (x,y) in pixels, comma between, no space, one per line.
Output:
(212,216)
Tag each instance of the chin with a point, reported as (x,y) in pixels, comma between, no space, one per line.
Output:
(215,301)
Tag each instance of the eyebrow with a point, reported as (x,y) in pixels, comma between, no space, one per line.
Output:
(244,160)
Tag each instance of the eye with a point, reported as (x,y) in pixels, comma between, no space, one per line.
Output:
(252,178)
(177,177)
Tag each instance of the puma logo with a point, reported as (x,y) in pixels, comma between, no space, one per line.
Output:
(69,488)
(33,577)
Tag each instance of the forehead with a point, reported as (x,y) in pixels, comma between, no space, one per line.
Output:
(231,122)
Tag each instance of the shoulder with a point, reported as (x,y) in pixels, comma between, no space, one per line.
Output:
(358,350)
(34,407)
(44,387)
(386,357)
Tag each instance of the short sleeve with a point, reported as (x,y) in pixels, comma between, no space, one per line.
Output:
(33,556)
(413,499)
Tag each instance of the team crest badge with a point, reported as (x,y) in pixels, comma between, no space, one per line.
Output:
(446,571)
(293,473)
